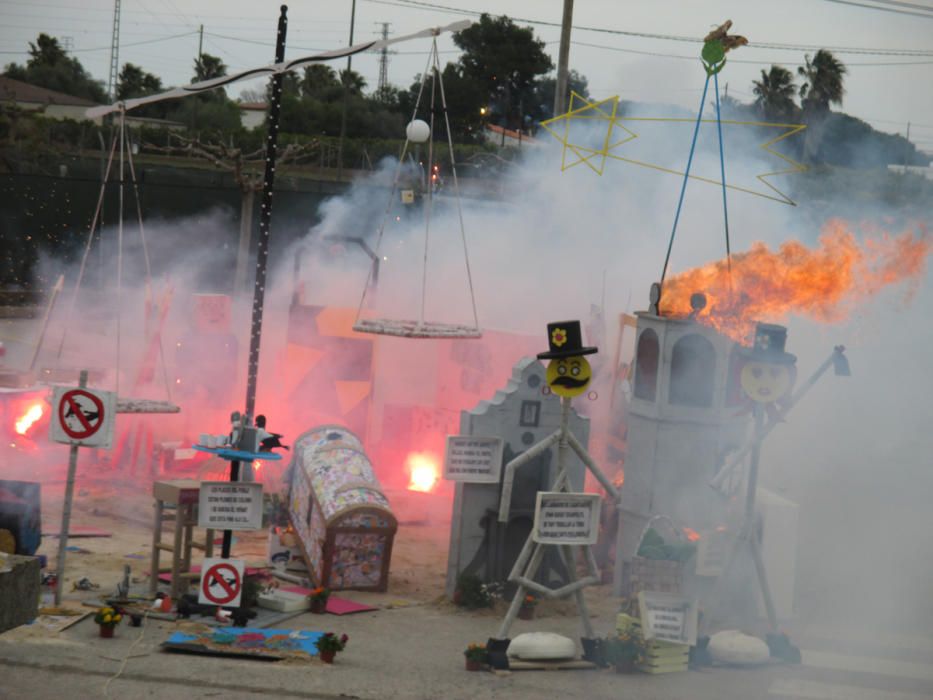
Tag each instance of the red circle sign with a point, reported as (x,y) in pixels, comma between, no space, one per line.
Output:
(80,413)
(220,584)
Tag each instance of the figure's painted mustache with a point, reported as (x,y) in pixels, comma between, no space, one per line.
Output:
(570,382)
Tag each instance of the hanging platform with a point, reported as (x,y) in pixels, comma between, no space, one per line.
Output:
(416,329)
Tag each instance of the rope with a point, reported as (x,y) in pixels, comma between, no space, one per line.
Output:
(453,169)
(429,209)
(142,235)
(128,656)
(87,250)
(683,188)
(388,209)
(120,246)
(722,169)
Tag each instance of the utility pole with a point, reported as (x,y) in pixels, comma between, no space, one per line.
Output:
(114,53)
(200,41)
(383,60)
(346,97)
(563,58)
(906,147)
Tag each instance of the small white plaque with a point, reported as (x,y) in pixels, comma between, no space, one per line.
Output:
(473,459)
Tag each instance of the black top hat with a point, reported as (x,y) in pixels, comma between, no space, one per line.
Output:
(565,340)
(769,345)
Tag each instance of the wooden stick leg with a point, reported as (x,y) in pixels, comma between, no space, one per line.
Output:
(533,565)
(763,582)
(156,540)
(578,594)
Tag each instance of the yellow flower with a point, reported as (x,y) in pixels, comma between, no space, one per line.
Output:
(558,337)
(117,618)
(107,618)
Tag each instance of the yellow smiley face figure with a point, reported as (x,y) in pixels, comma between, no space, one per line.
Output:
(764,382)
(568,376)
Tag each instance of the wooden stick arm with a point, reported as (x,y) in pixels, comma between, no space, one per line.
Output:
(525,457)
(592,466)
(723,473)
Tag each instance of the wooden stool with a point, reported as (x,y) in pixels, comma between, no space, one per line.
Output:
(184,495)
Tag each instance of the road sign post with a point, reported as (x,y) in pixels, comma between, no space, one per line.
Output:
(66,510)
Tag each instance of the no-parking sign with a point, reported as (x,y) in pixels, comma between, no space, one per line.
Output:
(83,417)
(221,582)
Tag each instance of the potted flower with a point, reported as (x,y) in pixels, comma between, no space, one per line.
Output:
(625,650)
(107,618)
(318,598)
(475,656)
(527,610)
(329,644)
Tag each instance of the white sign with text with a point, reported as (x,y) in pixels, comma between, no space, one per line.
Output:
(230,505)
(668,618)
(566,518)
(473,459)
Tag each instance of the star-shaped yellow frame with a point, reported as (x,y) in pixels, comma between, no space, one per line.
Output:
(596,110)
(603,110)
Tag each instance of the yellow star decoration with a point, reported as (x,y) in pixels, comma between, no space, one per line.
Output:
(586,155)
(603,110)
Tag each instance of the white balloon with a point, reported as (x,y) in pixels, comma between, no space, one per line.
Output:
(418,131)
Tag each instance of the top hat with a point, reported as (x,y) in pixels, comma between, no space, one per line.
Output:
(565,340)
(769,345)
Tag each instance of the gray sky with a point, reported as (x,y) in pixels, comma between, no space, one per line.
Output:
(241,33)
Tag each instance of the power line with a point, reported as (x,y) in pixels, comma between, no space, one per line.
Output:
(666,37)
(928,14)
(736,60)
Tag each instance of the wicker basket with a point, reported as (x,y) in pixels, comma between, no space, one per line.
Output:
(657,575)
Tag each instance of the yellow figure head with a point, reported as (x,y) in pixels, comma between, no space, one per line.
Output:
(765,382)
(569,376)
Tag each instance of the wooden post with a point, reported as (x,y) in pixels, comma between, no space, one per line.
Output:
(66,510)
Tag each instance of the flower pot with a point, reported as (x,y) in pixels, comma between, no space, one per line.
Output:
(328,656)
(472,665)
(106,631)
(626,666)
(526,612)
(319,606)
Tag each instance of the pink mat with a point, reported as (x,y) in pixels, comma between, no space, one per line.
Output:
(335,605)
(79,531)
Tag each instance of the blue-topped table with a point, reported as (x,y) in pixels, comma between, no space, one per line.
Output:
(232,455)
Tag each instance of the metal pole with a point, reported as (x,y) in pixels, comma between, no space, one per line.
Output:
(66,510)
(750,531)
(346,97)
(228,534)
(265,218)
(563,59)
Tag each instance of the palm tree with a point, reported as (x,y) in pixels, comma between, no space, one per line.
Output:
(822,84)
(821,88)
(774,94)
(207,67)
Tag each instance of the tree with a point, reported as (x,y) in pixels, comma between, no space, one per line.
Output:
(319,81)
(353,81)
(821,88)
(774,94)
(207,67)
(543,107)
(505,60)
(822,84)
(49,66)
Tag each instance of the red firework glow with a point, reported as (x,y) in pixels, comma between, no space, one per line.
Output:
(423,472)
(29,418)
(824,283)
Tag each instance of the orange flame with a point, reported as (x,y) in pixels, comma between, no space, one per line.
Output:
(823,283)
(423,472)
(691,534)
(28,419)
